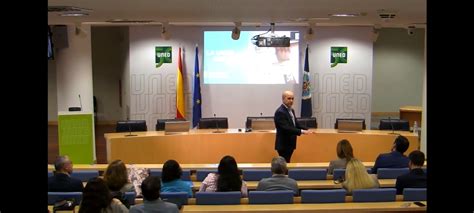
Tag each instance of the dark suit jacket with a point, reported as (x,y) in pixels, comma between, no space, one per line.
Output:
(415,179)
(286,131)
(390,160)
(63,183)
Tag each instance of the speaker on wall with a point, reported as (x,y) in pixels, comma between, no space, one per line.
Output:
(60,38)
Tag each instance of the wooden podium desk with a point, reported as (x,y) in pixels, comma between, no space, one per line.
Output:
(204,146)
(411,114)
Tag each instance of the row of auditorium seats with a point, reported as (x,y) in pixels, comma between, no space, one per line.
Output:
(222,123)
(297,174)
(267,197)
(258,174)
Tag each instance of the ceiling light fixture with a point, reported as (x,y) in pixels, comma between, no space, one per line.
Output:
(74,14)
(347,14)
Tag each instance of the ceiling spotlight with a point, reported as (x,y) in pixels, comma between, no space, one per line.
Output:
(164,31)
(236,31)
(411,30)
(309,35)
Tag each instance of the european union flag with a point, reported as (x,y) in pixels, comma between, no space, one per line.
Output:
(197,92)
(306,106)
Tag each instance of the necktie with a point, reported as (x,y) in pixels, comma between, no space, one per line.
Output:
(292,116)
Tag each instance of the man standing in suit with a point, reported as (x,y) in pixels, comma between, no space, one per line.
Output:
(287,128)
(417,177)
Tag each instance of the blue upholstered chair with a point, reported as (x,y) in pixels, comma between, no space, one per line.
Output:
(131,125)
(218,198)
(202,174)
(186,176)
(130,197)
(374,195)
(414,194)
(338,173)
(54,197)
(271,197)
(85,175)
(256,174)
(323,196)
(391,173)
(307,174)
(178,198)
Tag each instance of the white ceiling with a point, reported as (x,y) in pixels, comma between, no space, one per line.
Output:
(249,12)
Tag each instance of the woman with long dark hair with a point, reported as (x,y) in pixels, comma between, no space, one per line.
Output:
(171,179)
(96,197)
(226,179)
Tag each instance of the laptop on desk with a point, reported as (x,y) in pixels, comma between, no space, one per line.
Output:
(349,126)
(177,127)
(263,125)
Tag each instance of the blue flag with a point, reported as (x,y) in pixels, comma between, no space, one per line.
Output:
(197,92)
(306,106)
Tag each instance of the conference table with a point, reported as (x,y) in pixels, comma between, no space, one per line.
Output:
(199,146)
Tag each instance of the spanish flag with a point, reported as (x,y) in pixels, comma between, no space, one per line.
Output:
(179,89)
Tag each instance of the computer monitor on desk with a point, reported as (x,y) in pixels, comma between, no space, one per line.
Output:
(263,125)
(350,126)
(177,127)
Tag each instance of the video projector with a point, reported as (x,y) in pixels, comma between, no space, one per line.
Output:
(261,41)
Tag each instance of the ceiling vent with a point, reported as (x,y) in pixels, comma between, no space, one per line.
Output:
(62,9)
(387,15)
(126,21)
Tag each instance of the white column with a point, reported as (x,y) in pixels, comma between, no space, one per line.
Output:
(423,113)
(74,70)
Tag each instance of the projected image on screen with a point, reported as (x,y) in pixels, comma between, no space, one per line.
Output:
(228,61)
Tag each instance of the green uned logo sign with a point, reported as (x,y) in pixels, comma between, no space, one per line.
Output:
(338,56)
(162,55)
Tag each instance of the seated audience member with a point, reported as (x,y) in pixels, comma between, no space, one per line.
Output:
(394,159)
(151,198)
(417,177)
(357,177)
(226,179)
(97,198)
(171,179)
(116,178)
(279,179)
(344,153)
(62,180)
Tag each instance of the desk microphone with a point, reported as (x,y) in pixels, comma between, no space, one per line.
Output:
(217,125)
(129,129)
(80,102)
(393,129)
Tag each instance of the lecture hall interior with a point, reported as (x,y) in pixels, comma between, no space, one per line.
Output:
(119,71)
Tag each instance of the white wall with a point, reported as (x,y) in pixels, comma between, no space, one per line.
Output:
(108,48)
(345,90)
(74,71)
(398,69)
(152,90)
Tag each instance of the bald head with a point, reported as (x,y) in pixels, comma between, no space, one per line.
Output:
(63,164)
(287,97)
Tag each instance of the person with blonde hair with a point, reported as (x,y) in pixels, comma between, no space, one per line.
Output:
(357,177)
(344,153)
